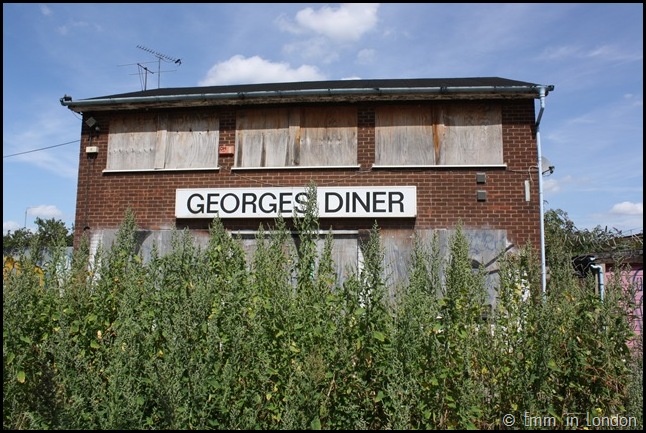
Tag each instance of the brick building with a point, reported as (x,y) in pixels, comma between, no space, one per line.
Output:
(413,155)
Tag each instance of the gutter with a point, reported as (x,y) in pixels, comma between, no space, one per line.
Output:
(278,94)
(599,270)
(542,93)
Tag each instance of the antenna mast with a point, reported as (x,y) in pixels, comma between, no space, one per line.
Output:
(160,57)
(146,71)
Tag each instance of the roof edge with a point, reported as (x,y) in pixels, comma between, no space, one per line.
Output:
(294,95)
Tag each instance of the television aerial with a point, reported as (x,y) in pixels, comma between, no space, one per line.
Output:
(160,57)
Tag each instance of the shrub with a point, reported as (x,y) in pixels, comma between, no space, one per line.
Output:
(210,339)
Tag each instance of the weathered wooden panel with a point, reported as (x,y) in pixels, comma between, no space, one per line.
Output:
(263,138)
(296,137)
(404,135)
(132,142)
(328,136)
(486,248)
(456,134)
(344,254)
(471,134)
(162,140)
(192,141)
(142,142)
(398,246)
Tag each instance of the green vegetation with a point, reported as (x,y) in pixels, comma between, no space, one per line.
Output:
(49,232)
(207,339)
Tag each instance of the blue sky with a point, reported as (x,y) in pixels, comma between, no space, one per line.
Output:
(591,130)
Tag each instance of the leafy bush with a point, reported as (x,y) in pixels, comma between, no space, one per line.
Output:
(208,339)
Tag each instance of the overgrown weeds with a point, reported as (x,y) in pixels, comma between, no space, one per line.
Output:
(206,339)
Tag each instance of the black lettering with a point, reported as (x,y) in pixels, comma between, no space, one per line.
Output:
(199,207)
(272,207)
(365,205)
(237,203)
(301,200)
(392,201)
(212,203)
(249,199)
(284,201)
(327,202)
(376,201)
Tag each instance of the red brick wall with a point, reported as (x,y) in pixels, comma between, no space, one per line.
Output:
(445,196)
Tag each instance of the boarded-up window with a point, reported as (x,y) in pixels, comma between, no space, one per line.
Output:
(404,136)
(471,134)
(294,137)
(345,252)
(263,137)
(163,142)
(451,134)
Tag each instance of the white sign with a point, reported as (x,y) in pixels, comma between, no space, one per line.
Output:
(342,202)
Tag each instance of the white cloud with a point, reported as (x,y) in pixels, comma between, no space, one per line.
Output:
(8,226)
(314,49)
(67,28)
(604,53)
(551,186)
(42,130)
(330,30)
(611,53)
(366,56)
(253,70)
(601,144)
(623,223)
(62,163)
(45,10)
(628,208)
(45,211)
(635,100)
(348,22)
(558,53)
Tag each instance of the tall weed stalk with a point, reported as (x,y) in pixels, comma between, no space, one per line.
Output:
(206,338)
